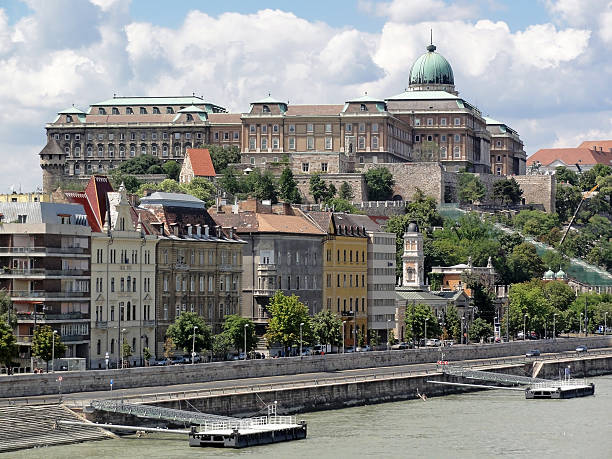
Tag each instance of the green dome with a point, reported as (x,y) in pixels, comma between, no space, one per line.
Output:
(431,68)
(561,274)
(549,275)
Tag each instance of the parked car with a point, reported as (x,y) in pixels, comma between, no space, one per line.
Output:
(177,359)
(349,349)
(532,353)
(400,346)
(161,362)
(581,348)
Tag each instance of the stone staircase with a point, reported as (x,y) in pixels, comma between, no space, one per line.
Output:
(26,427)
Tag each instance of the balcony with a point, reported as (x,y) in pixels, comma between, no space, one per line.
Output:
(73,338)
(12,273)
(42,294)
(24,339)
(181,266)
(264,292)
(41,251)
(148,323)
(268,268)
(101,324)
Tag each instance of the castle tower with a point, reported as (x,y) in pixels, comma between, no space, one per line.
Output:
(413,260)
(52,163)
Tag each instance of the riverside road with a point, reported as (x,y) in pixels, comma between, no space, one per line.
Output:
(272,382)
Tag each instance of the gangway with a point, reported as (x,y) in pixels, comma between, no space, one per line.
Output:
(453,370)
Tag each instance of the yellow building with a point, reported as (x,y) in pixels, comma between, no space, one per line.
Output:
(345,271)
(26,197)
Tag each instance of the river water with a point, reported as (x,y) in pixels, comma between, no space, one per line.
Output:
(485,424)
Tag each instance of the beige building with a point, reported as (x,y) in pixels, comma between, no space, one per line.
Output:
(508,156)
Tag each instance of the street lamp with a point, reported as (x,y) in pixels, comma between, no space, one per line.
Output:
(495,323)
(195,327)
(123,330)
(343,327)
(388,332)
(53,352)
(462,327)
(245,336)
(605,322)
(524,325)
(580,324)
(554,326)
(425,339)
(301,325)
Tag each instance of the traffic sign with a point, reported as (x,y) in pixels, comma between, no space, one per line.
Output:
(60,379)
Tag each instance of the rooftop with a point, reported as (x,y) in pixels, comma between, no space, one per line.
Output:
(571,156)
(424,95)
(176,100)
(172,199)
(201,162)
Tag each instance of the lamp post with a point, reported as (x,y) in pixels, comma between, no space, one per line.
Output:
(462,327)
(554,326)
(245,343)
(343,327)
(195,327)
(580,324)
(388,332)
(507,321)
(123,330)
(425,338)
(524,327)
(301,326)
(495,322)
(605,322)
(53,351)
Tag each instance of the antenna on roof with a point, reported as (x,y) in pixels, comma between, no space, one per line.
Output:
(268,94)
(431,36)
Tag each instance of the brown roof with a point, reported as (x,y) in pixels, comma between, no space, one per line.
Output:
(570,156)
(201,163)
(314,110)
(225,118)
(322,219)
(604,145)
(246,222)
(136,118)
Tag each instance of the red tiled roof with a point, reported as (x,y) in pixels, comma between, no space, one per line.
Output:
(225,118)
(201,162)
(570,156)
(604,145)
(306,110)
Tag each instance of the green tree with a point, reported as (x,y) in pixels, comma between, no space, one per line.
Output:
(379,183)
(525,263)
(6,306)
(342,205)
(320,190)
(43,344)
(181,332)
(8,345)
(471,189)
(559,294)
(480,330)
(166,185)
(535,222)
(528,298)
(146,353)
(201,188)
(287,312)
(126,350)
(567,198)
(565,175)
(327,328)
(507,191)
(374,338)
(588,179)
(423,210)
(555,260)
(234,328)
(452,323)
(169,348)
(346,191)
(172,169)
(229,181)
(391,337)
(223,157)
(130,182)
(221,345)
(482,298)
(287,187)
(416,315)
(140,165)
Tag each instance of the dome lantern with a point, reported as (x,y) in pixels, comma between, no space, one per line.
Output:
(431,72)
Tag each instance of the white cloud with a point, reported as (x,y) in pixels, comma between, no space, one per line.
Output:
(415,11)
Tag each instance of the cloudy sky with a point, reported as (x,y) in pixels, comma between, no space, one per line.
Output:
(542,66)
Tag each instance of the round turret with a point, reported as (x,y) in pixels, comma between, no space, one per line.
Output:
(549,275)
(412,228)
(561,275)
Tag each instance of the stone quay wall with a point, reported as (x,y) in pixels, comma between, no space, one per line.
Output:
(356,181)
(23,385)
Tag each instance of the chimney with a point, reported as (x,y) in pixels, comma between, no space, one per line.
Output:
(206,230)
(189,230)
(218,231)
(199,230)
(231,232)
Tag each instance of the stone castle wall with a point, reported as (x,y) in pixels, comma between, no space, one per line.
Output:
(428,177)
(356,181)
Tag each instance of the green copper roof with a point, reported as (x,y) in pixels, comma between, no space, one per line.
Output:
(269,100)
(424,95)
(71,111)
(431,68)
(365,98)
(491,120)
(192,109)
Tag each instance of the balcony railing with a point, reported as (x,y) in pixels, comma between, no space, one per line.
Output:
(45,294)
(13,272)
(264,292)
(148,323)
(266,267)
(44,250)
(72,338)
(102,324)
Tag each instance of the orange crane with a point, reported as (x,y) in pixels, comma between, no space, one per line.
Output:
(584,197)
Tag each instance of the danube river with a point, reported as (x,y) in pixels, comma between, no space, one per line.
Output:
(483,424)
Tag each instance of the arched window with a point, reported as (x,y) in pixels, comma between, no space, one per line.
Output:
(265,109)
(68,119)
(101,111)
(154,150)
(77,169)
(143,149)
(77,151)
(129,111)
(132,150)
(122,151)
(177,150)
(99,347)
(115,111)
(100,151)
(156,110)
(112,350)
(165,150)
(89,151)
(363,108)
(111,151)
(143,111)
(189,117)
(169,110)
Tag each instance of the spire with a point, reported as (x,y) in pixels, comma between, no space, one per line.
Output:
(431,48)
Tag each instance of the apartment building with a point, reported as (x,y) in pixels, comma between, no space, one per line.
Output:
(45,256)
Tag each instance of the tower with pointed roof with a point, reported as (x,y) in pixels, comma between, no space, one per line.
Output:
(52,163)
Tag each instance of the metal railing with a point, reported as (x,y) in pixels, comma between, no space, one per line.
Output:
(43,272)
(45,294)
(44,250)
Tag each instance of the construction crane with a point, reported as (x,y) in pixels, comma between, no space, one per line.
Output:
(584,197)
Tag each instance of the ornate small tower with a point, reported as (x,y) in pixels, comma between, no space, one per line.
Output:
(413,259)
(52,163)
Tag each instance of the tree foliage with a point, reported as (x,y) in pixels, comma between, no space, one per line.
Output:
(507,191)
(320,190)
(287,187)
(8,345)
(346,191)
(222,157)
(480,330)
(234,328)
(416,315)
(379,183)
(525,263)
(471,189)
(327,328)
(43,344)
(565,175)
(172,169)
(287,312)
(452,323)
(181,332)
(199,187)
(567,198)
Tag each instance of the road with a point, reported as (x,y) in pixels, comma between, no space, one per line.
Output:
(271,382)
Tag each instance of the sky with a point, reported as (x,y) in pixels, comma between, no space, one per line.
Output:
(544,67)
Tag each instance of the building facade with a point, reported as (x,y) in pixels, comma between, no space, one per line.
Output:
(508,156)
(45,254)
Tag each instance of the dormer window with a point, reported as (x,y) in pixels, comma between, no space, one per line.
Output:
(21,218)
(189,117)
(129,111)
(68,119)
(64,219)
(169,110)
(156,110)
(363,108)
(101,111)
(115,111)
(143,111)
(265,109)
